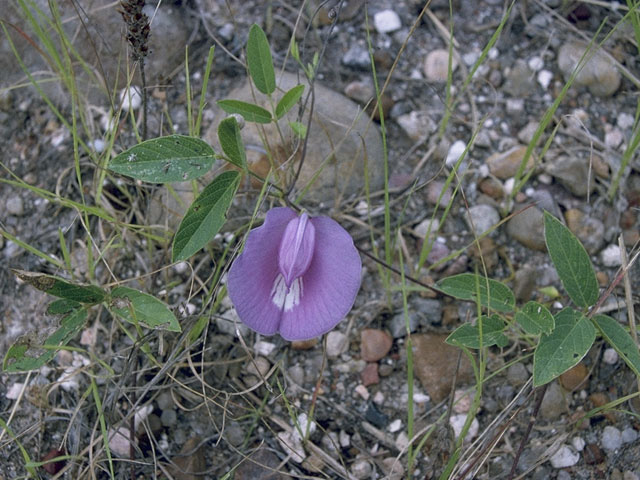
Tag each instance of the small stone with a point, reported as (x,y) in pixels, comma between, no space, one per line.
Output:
(169,418)
(544,78)
(304,344)
(376,417)
(613,138)
(578,443)
(374,344)
(337,343)
(506,164)
(573,173)
(554,404)
(417,125)
(386,21)
(524,283)
(362,391)
(395,426)
(492,187)
(264,348)
(611,438)
(426,227)
(292,445)
(361,469)
(592,454)
(515,106)
(165,401)
(357,57)
(482,218)
(436,65)
(53,467)
(525,135)
(624,120)
(610,356)
(519,80)
(131,98)
(588,229)
(599,73)
(564,457)
(435,365)
(259,367)
(429,311)
(455,152)
(296,372)
(575,378)
(344,439)
(457,423)
(527,227)
(610,256)
(262,464)
(535,63)
(15,206)
(462,400)
(629,435)
(392,468)
(517,374)
(369,375)
(398,327)
(402,441)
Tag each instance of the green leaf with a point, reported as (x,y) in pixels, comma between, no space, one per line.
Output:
(205,216)
(620,340)
(571,261)
(466,286)
(231,142)
(259,61)
(570,340)
(249,111)
(57,287)
(300,129)
(62,307)
(141,308)
(288,100)
(27,354)
(175,158)
(469,335)
(535,318)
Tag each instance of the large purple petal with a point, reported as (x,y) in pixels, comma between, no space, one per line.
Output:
(253,274)
(328,288)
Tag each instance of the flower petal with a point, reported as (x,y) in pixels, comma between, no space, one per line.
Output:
(296,248)
(328,288)
(252,278)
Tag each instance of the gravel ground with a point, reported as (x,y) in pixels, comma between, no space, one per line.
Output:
(209,410)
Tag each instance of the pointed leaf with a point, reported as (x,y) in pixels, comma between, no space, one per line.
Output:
(249,111)
(143,309)
(205,216)
(62,289)
(466,286)
(620,340)
(62,307)
(175,158)
(571,261)
(570,340)
(288,100)
(469,335)
(231,142)
(259,61)
(300,129)
(28,354)
(535,318)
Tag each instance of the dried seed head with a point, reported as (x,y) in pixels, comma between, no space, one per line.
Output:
(138,27)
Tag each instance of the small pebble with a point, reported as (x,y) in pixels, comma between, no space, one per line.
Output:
(337,343)
(264,348)
(378,398)
(564,457)
(455,151)
(344,439)
(624,121)
(457,423)
(361,469)
(629,435)
(386,21)
(436,65)
(357,57)
(610,356)
(395,426)
(578,443)
(611,438)
(369,375)
(544,78)
(15,206)
(362,391)
(131,98)
(613,138)
(374,344)
(481,218)
(535,63)
(610,256)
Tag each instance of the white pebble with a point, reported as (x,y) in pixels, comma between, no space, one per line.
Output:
(98,145)
(578,443)
(564,457)
(610,356)
(544,78)
(264,348)
(611,438)
(386,21)
(508,185)
(395,426)
(344,439)
(362,391)
(613,138)
(378,398)
(15,206)
(535,63)
(131,98)
(629,435)
(14,391)
(402,441)
(624,121)
(457,423)
(493,53)
(454,153)
(610,256)
(420,397)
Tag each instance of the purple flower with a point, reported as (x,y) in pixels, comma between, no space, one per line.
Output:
(297,275)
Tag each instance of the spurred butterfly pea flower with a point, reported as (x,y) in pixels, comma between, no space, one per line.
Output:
(297,275)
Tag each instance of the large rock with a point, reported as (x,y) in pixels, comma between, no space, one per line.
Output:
(100,41)
(599,73)
(341,141)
